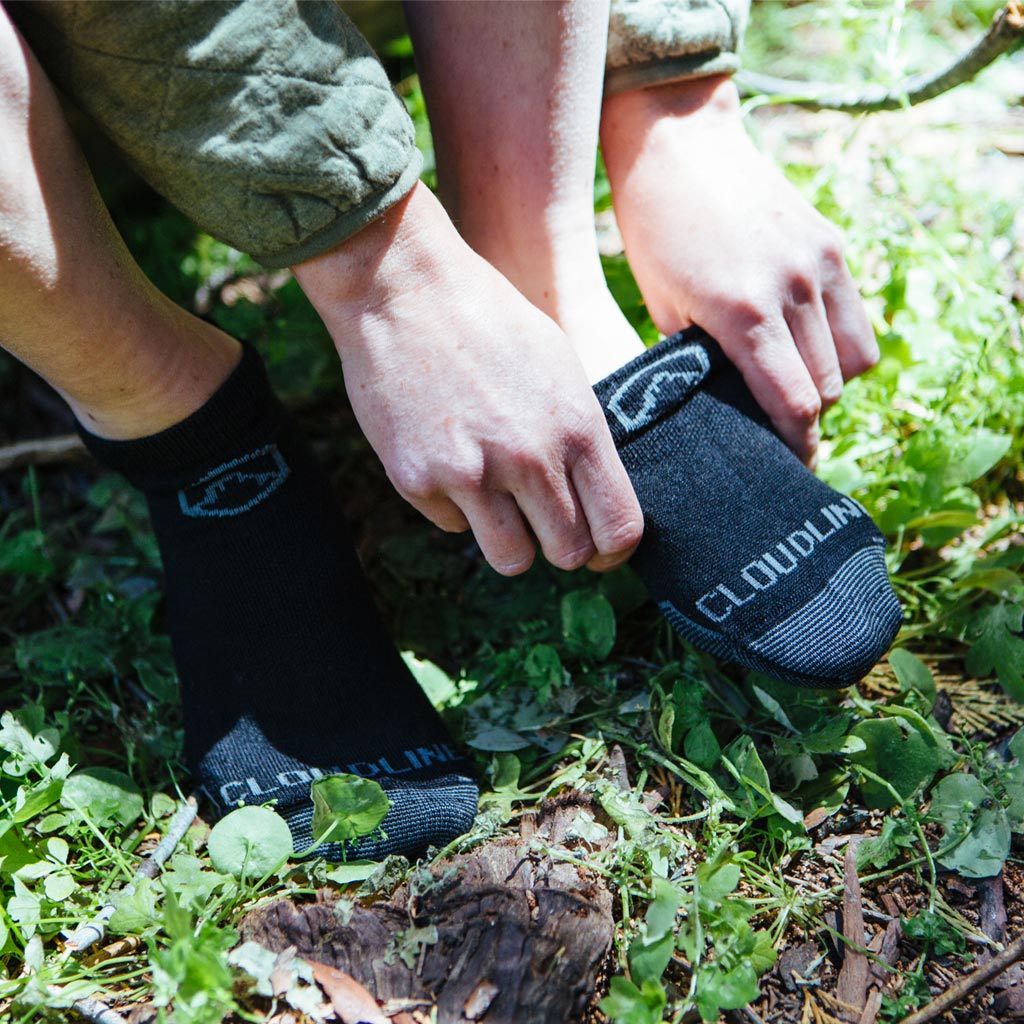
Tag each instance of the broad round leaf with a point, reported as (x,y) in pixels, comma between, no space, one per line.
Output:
(104,795)
(250,842)
(588,623)
(896,752)
(346,807)
(967,810)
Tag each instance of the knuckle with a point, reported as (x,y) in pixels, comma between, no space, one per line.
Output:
(831,390)
(413,481)
(750,313)
(866,356)
(805,407)
(463,472)
(512,565)
(802,282)
(833,249)
(572,557)
(622,536)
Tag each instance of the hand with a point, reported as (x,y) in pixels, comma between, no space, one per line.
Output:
(472,398)
(716,236)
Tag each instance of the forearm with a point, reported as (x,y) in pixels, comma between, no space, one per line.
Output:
(514,96)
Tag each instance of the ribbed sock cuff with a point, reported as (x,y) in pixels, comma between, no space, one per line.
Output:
(240,412)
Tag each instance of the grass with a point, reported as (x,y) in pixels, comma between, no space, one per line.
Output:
(544,676)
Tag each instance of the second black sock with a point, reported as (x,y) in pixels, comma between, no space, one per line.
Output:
(750,556)
(286,670)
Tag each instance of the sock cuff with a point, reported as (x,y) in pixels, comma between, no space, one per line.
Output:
(240,415)
(658,382)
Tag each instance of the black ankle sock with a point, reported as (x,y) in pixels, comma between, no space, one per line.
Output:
(749,555)
(286,671)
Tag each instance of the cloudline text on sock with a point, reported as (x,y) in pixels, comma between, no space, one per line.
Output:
(765,571)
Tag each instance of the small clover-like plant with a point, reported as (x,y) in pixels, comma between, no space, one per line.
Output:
(250,843)
(346,807)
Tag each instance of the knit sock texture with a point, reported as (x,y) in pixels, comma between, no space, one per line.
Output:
(286,670)
(748,554)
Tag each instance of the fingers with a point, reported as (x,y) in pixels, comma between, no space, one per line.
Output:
(809,326)
(613,513)
(499,529)
(780,380)
(553,510)
(442,512)
(854,338)
(586,514)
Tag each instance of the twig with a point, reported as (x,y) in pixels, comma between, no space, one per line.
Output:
(965,986)
(91,932)
(852,986)
(1005,33)
(42,451)
(94,1010)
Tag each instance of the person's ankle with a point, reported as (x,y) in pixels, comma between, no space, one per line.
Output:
(199,358)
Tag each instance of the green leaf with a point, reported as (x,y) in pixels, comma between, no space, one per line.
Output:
(651,950)
(1003,583)
(544,671)
(763,956)
(588,624)
(912,673)
(897,752)
(58,886)
(351,871)
(250,842)
(346,807)
(755,798)
(701,746)
(27,742)
(977,454)
(719,989)
(135,909)
(627,1004)
(498,739)
(14,854)
(881,850)
(434,681)
(30,800)
(969,812)
(998,646)
(25,554)
(104,795)
(939,936)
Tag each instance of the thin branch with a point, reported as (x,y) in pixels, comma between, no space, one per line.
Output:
(1004,34)
(94,930)
(965,986)
(42,452)
(94,1010)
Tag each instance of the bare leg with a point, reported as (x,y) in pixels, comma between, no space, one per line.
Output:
(514,91)
(77,309)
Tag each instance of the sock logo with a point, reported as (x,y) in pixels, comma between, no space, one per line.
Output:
(236,486)
(659,386)
(766,570)
(415,759)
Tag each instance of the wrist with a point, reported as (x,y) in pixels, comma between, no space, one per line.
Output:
(408,248)
(700,103)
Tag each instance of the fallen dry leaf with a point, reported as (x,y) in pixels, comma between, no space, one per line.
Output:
(479,1000)
(351,1002)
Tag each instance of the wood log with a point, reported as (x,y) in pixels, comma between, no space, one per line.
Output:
(508,934)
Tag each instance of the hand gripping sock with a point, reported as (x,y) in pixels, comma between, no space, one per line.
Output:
(748,554)
(286,671)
